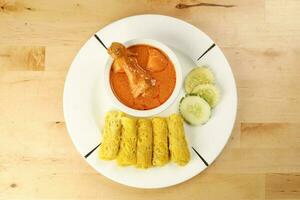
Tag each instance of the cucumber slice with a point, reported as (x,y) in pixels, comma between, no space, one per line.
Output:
(208,92)
(199,75)
(194,109)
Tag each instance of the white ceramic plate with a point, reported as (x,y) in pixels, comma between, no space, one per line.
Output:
(86,102)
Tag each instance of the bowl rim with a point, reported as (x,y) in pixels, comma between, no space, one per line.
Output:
(154,111)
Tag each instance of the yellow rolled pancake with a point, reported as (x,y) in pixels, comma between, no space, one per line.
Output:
(127,152)
(144,144)
(111,135)
(160,141)
(179,152)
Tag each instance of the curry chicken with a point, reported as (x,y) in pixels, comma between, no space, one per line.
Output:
(142,77)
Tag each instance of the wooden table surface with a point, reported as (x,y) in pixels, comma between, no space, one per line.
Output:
(39,39)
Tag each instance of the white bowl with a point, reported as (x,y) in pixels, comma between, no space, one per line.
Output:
(166,104)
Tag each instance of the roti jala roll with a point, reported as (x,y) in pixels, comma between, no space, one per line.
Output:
(144,143)
(160,141)
(111,135)
(127,152)
(179,151)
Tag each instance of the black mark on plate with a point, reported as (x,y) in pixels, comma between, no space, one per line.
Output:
(203,160)
(89,153)
(96,36)
(212,46)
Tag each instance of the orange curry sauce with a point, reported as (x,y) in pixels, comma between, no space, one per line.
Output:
(165,78)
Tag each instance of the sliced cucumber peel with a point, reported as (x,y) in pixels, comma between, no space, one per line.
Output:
(194,109)
(199,75)
(210,93)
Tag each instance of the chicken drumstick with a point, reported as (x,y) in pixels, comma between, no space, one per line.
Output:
(139,80)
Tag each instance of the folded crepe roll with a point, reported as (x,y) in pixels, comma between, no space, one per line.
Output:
(111,135)
(144,144)
(160,141)
(179,152)
(127,152)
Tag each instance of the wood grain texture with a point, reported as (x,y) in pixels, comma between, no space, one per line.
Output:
(270,135)
(17,58)
(282,186)
(38,41)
